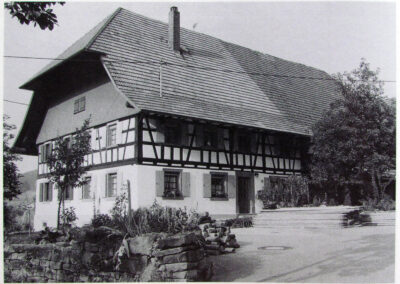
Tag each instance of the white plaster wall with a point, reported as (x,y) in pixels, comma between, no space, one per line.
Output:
(146,186)
(84,208)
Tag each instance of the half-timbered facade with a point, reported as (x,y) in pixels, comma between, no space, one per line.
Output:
(186,118)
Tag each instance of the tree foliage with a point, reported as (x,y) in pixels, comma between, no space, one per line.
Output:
(39,13)
(11,176)
(354,142)
(66,163)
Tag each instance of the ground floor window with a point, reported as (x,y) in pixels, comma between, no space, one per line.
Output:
(172,187)
(111,187)
(45,192)
(218,185)
(86,188)
(69,193)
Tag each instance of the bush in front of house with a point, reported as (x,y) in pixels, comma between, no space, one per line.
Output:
(285,192)
(101,220)
(153,219)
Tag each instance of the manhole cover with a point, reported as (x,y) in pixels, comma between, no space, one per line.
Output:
(274,248)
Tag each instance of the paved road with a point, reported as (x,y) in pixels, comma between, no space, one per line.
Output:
(358,254)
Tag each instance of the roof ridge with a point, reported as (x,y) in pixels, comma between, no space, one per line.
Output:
(105,25)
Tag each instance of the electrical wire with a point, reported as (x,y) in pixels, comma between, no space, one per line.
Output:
(15,102)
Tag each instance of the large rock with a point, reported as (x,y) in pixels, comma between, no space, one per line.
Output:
(160,253)
(186,256)
(177,241)
(182,266)
(188,274)
(142,244)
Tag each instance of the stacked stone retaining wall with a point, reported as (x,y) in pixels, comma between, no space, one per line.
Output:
(93,258)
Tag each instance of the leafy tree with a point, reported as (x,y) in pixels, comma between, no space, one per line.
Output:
(11,176)
(37,12)
(354,142)
(66,163)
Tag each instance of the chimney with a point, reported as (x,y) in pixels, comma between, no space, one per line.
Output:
(174,29)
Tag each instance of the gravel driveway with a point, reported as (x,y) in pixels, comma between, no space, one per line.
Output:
(302,254)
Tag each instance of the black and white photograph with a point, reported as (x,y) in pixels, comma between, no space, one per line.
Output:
(199,142)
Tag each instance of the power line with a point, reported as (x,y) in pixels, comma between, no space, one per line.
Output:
(14,102)
(187,66)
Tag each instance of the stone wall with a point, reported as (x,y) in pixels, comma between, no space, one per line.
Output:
(96,253)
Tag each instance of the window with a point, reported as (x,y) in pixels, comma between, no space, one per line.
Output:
(111,188)
(79,105)
(69,193)
(172,187)
(45,193)
(111,135)
(46,152)
(173,134)
(210,137)
(86,192)
(244,143)
(218,185)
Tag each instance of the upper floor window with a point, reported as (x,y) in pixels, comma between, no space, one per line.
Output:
(111,135)
(173,134)
(45,152)
(86,188)
(111,186)
(172,186)
(244,141)
(210,137)
(79,105)
(218,185)
(45,192)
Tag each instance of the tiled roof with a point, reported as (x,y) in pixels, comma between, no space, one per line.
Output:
(241,97)
(193,83)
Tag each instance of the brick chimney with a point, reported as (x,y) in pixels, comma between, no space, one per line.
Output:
(174,29)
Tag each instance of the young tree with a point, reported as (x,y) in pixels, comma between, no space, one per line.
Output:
(66,163)
(355,139)
(37,12)
(11,176)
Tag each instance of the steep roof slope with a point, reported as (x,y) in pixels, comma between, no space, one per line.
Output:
(209,79)
(283,97)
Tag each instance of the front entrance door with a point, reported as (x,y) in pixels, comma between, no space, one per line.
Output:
(243,194)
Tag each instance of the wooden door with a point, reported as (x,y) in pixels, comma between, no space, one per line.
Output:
(243,187)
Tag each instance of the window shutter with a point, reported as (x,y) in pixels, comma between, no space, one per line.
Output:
(159,183)
(119,133)
(105,193)
(41,192)
(51,185)
(40,153)
(186,184)
(71,193)
(120,182)
(231,186)
(160,137)
(50,148)
(206,185)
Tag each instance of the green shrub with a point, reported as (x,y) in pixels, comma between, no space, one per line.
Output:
(68,216)
(101,220)
(153,219)
(385,204)
(285,191)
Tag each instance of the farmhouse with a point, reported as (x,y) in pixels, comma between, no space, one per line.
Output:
(188,119)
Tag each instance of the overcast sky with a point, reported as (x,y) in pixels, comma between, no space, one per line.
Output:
(332,36)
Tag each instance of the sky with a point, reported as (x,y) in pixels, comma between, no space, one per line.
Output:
(331,36)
